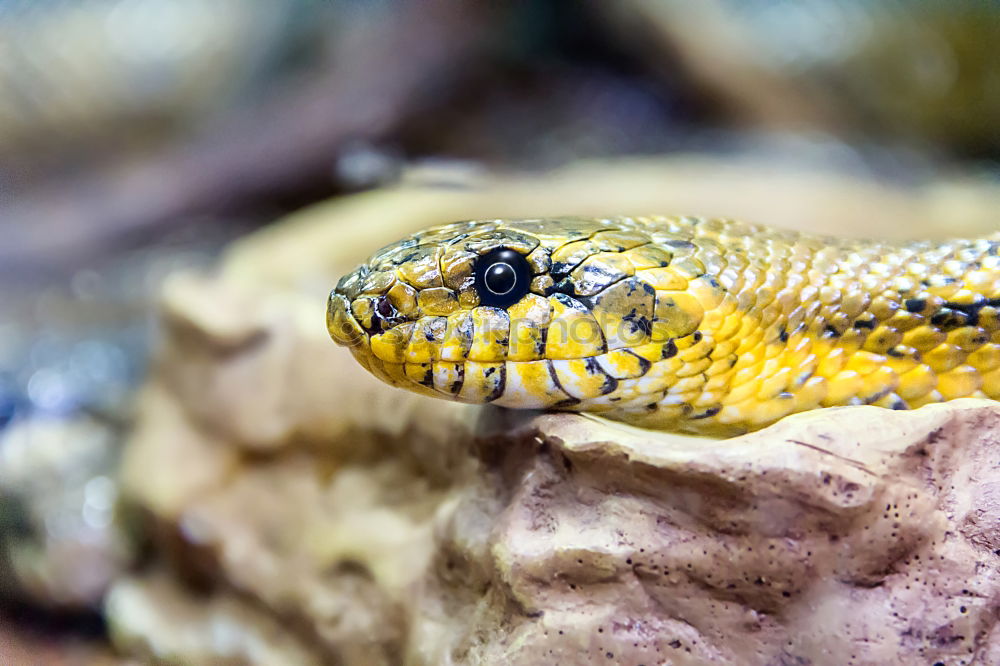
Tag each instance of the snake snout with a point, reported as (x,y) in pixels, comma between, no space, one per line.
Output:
(343,327)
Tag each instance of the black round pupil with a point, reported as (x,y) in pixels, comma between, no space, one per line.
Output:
(500,278)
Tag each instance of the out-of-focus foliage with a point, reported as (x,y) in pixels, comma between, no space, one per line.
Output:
(73,71)
(924,71)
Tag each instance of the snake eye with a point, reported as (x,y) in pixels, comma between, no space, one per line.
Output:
(502,277)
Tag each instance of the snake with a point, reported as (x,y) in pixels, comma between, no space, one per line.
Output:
(694,325)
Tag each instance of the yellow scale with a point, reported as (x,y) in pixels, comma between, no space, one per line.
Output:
(706,326)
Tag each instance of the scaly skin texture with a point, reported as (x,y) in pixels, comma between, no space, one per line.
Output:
(696,325)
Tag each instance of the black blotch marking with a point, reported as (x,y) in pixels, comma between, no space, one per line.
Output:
(565,404)
(878,395)
(711,411)
(560,268)
(610,383)
(428,379)
(831,330)
(501,384)
(783,334)
(456,385)
(710,279)
(896,353)
(669,350)
(948,319)
(639,322)
(969,310)
(697,336)
(865,323)
(915,304)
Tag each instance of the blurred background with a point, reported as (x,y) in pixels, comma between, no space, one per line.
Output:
(139,137)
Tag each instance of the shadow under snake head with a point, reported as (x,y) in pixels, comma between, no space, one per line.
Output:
(681,323)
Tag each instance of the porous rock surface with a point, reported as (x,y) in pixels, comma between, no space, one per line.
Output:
(308,514)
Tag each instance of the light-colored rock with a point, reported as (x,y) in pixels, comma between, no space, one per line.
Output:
(161,623)
(380,527)
(59,545)
(837,537)
(849,536)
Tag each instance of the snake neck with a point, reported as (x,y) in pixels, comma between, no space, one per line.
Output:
(788,323)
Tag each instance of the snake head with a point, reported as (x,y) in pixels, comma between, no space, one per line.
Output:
(435,301)
(522,313)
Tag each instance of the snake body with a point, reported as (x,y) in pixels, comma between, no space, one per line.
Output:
(697,325)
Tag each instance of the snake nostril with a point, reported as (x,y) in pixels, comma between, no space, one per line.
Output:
(384,315)
(384,308)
